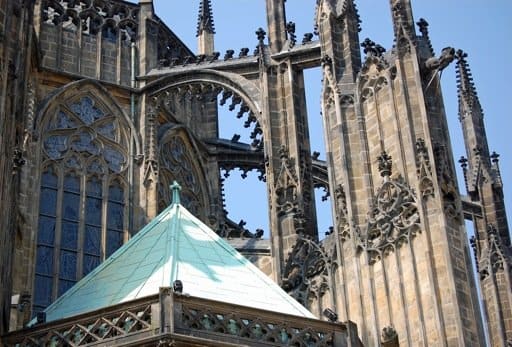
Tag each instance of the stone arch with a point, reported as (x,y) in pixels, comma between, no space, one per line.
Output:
(82,137)
(181,150)
(248,92)
(83,87)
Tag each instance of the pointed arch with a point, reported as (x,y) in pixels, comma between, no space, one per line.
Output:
(248,92)
(178,152)
(83,137)
(77,89)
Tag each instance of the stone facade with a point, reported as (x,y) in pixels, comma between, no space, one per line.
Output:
(102,107)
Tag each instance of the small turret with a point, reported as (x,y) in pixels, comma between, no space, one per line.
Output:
(472,120)
(205,28)
(403,22)
(276,21)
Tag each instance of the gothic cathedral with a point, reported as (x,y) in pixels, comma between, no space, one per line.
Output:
(102,107)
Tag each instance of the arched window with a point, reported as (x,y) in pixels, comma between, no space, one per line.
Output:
(83,200)
(176,164)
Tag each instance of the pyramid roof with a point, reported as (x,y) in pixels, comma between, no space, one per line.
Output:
(175,246)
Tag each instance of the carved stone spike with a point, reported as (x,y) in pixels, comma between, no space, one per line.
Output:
(385,164)
(389,337)
(260,33)
(424,170)
(371,49)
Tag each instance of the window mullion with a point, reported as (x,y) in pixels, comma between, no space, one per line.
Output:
(81,227)
(58,233)
(104,218)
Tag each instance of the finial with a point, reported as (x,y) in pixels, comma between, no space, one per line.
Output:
(260,33)
(385,163)
(176,189)
(372,49)
(468,96)
(205,19)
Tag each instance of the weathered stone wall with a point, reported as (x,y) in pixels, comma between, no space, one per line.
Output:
(15,52)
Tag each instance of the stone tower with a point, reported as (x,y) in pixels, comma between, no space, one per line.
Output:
(109,107)
(403,246)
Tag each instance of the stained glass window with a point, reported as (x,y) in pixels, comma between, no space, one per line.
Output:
(82,197)
(177,164)
(115,218)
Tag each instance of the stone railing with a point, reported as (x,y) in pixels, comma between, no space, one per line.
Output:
(175,319)
(120,322)
(252,327)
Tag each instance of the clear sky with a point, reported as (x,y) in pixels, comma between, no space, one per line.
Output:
(481,28)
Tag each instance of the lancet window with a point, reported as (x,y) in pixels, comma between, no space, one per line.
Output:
(83,196)
(176,164)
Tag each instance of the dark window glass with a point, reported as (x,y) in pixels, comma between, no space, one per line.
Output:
(114,241)
(67,266)
(90,263)
(48,201)
(70,206)
(115,216)
(116,193)
(109,34)
(93,211)
(92,240)
(64,286)
(44,261)
(72,184)
(46,235)
(69,237)
(43,291)
(94,188)
(49,179)
(79,141)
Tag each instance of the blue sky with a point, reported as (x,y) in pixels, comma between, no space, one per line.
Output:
(481,28)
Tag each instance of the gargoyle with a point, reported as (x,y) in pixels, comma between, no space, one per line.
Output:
(438,64)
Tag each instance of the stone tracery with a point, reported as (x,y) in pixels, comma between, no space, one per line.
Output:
(393,217)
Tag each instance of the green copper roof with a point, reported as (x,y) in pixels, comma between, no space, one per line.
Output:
(175,245)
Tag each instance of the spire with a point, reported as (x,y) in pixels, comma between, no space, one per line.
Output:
(205,28)
(341,37)
(468,98)
(403,22)
(205,19)
(471,115)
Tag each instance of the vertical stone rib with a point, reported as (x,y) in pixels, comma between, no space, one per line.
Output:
(276,21)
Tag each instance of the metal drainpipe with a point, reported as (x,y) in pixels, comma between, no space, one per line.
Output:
(133,53)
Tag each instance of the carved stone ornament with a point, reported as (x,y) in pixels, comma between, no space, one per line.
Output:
(495,255)
(404,31)
(342,213)
(30,115)
(151,157)
(389,337)
(393,219)
(330,89)
(446,176)
(166,342)
(286,185)
(93,17)
(375,64)
(306,273)
(424,170)
(440,63)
